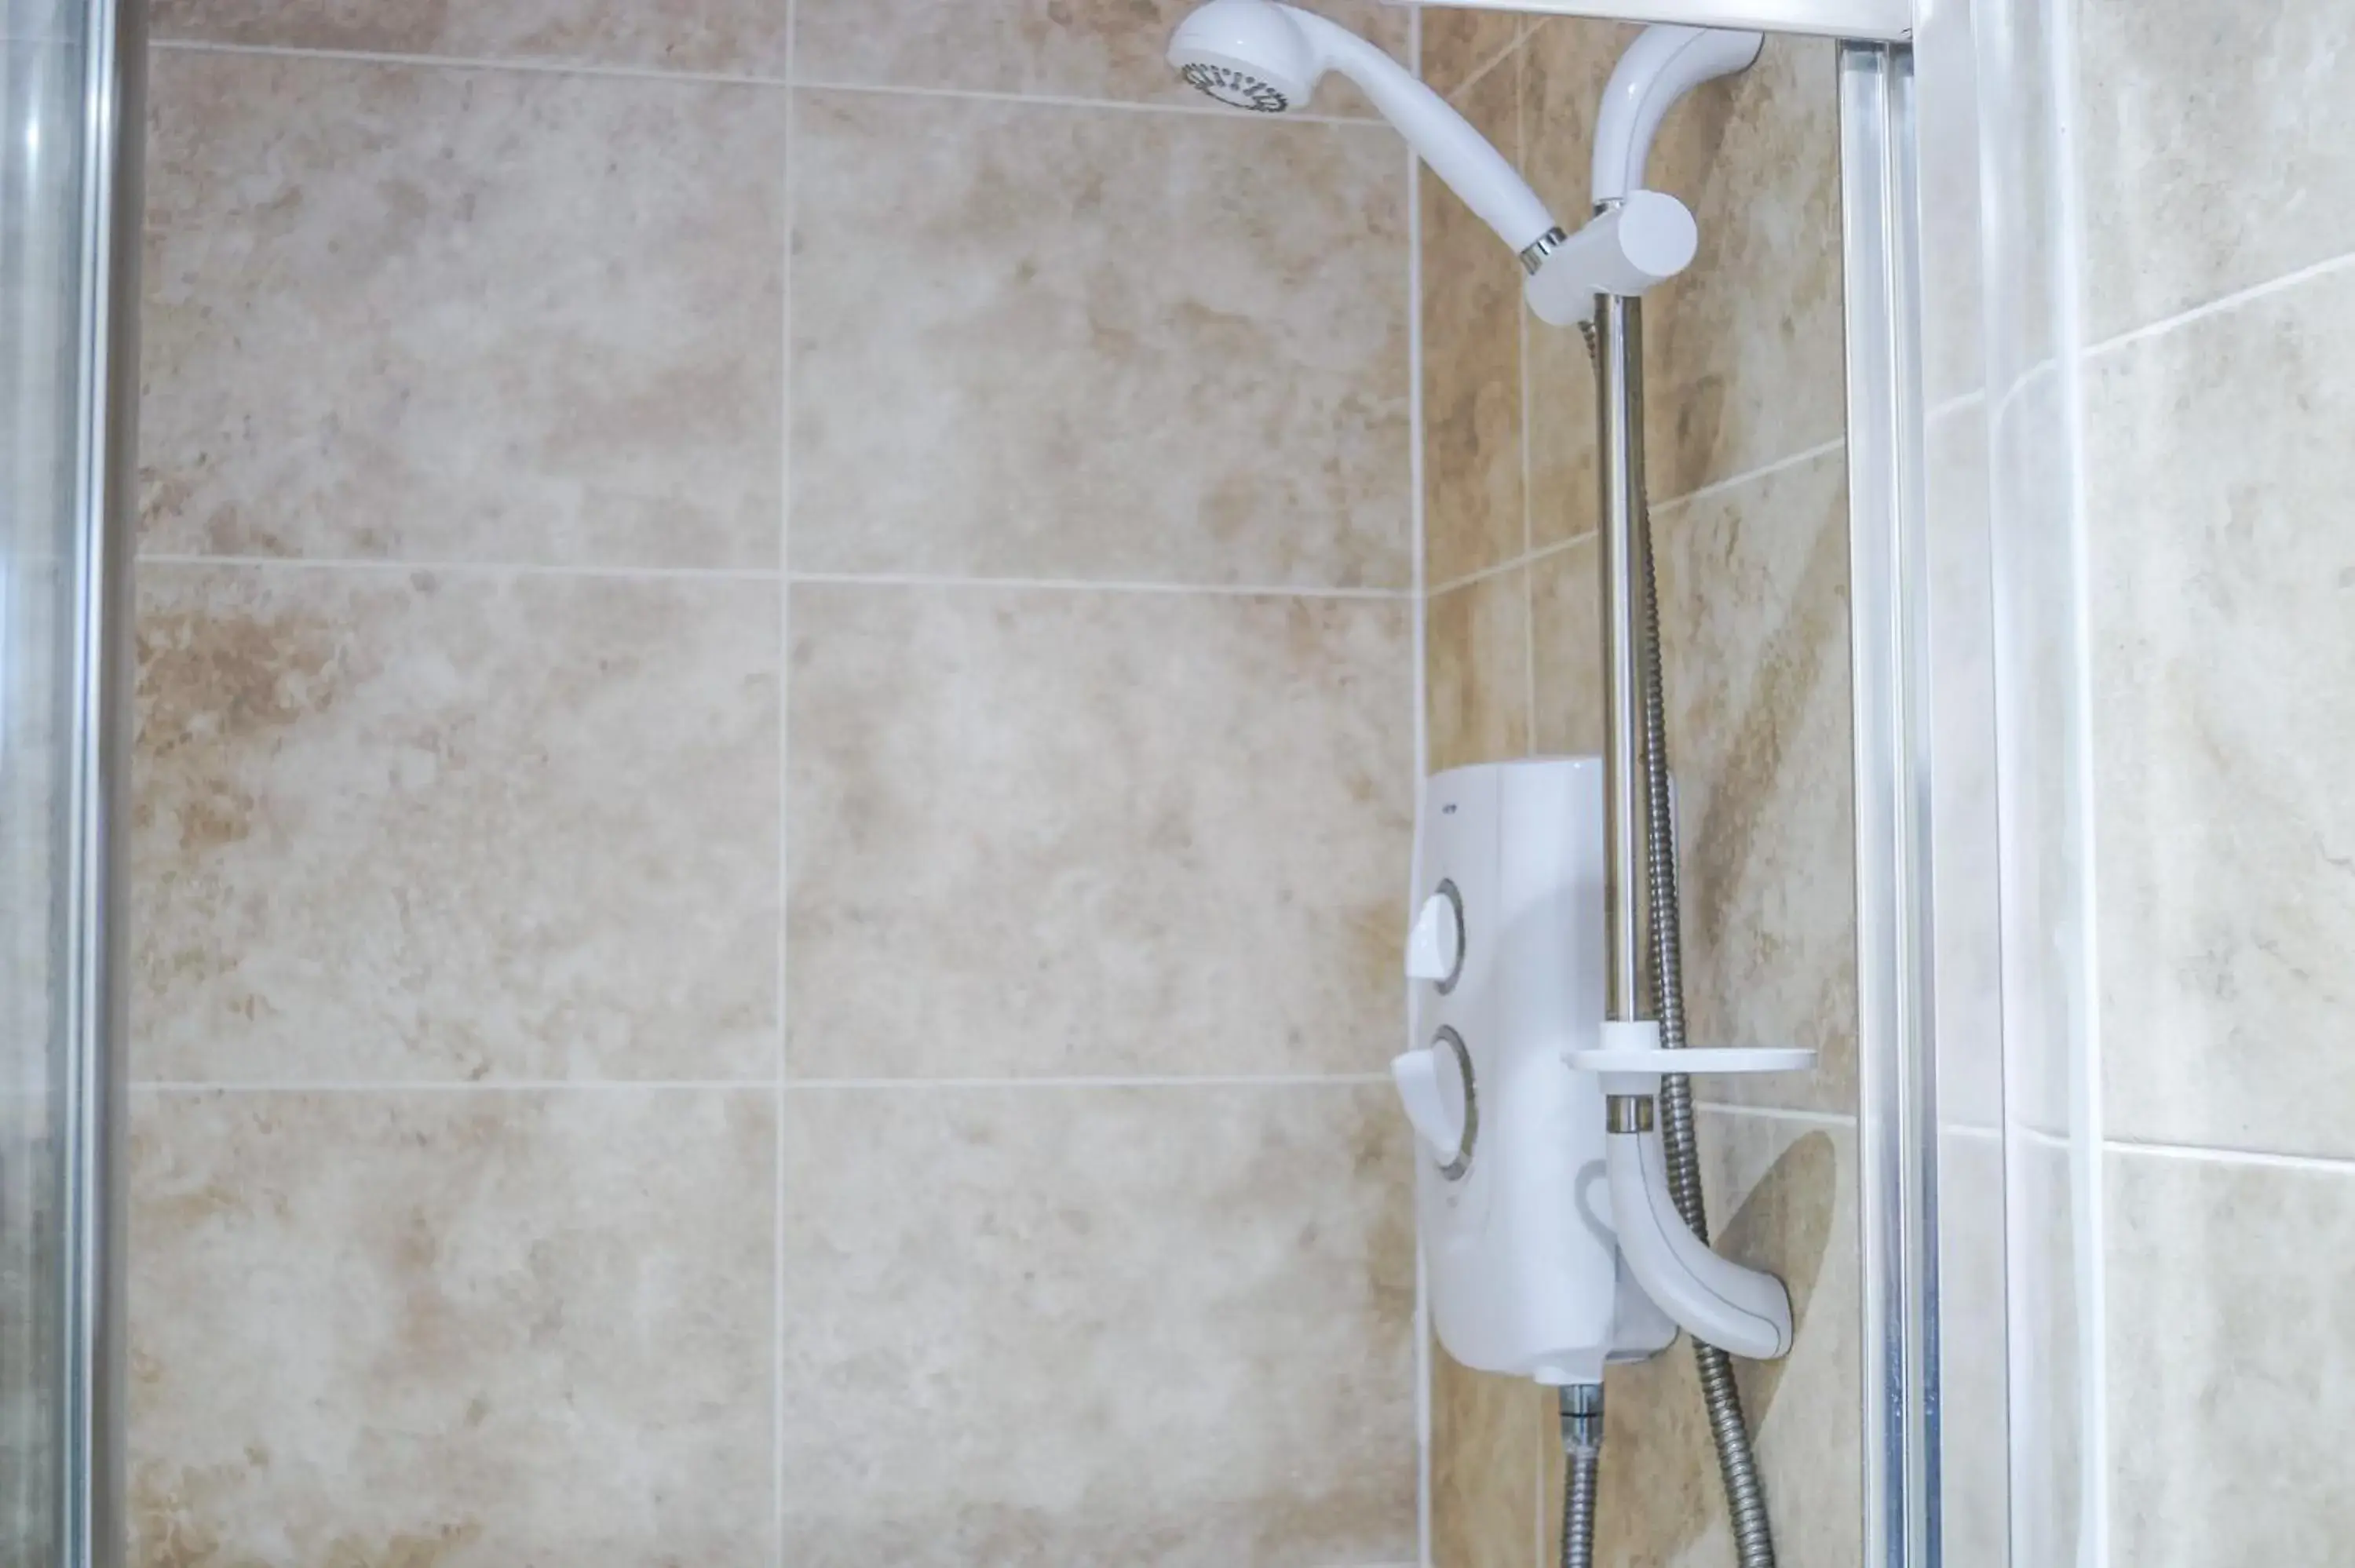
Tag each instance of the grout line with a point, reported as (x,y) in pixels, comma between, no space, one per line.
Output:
(1230,591)
(1200,111)
(747,1085)
(2225,303)
(1139,1080)
(498,568)
(528,65)
(2334,1165)
(548,66)
(765,575)
(1778,1113)
(777,1189)
(1454,95)
(1764,470)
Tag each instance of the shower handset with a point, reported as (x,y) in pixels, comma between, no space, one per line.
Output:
(1268,58)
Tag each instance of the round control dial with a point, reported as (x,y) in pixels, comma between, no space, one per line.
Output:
(1435,1086)
(1434,948)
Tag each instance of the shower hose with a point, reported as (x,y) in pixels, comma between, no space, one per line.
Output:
(1737,1465)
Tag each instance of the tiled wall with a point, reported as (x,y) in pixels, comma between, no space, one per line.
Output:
(2218,209)
(1747,470)
(776,757)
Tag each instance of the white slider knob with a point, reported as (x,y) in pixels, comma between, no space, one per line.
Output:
(1432,1087)
(1434,948)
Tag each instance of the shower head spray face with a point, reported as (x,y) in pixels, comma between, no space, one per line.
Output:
(1247,54)
(1258,55)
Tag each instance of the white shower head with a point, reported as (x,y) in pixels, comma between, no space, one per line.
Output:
(1257,55)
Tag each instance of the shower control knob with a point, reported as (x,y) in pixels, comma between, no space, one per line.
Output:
(1435,1087)
(1434,948)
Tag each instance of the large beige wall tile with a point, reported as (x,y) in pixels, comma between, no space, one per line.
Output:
(1473,512)
(1046,831)
(1567,62)
(2212,149)
(1039,340)
(1113,49)
(2223,626)
(1753,611)
(1566,643)
(1461,46)
(1492,1438)
(456,1329)
(728,36)
(396,825)
(432,315)
(1744,354)
(2232,1347)
(1476,656)
(1782,1197)
(1067,1325)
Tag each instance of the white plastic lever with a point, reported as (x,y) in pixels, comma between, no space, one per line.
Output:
(1738,1309)
(1645,239)
(1436,944)
(1425,1085)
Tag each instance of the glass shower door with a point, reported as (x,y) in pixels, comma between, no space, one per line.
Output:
(66,380)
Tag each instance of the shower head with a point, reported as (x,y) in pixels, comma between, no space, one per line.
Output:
(1258,55)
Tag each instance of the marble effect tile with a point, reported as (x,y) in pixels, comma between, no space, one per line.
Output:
(2231,1352)
(1089,343)
(1566,629)
(1567,62)
(1491,1437)
(1171,1326)
(1753,609)
(1111,832)
(1460,45)
(1474,514)
(1745,354)
(1111,49)
(727,36)
(2223,610)
(2210,157)
(451,1329)
(1476,654)
(435,315)
(396,825)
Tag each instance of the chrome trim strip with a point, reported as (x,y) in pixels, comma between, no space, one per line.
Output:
(95,901)
(1897,1081)
(1886,21)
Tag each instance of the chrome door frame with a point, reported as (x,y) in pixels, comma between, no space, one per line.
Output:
(94,898)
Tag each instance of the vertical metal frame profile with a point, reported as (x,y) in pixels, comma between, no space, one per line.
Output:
(1889,608)
(94,899)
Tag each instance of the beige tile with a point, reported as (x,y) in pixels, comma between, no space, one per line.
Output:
(1753,609)
(1473,513)
(1460,47)
(1744,354)
(2211,157)
(1567,62)
(1566,641)
(462,1330)
(1106,833)
(1477,652)
(2223,608)
(1783,1196)
(1066,1325)
(1491,1436)
(1090,344)
(2232,1352)
(408,825)
(431,314)
(1113,49)
(743,38)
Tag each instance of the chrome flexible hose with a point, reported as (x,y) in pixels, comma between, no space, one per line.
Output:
(1737,1464)
(1581,1449)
